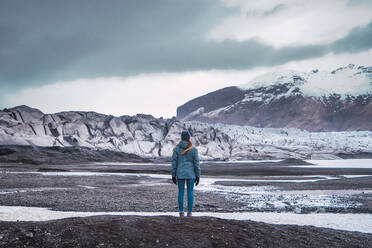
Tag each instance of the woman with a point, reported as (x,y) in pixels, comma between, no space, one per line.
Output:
(185,170)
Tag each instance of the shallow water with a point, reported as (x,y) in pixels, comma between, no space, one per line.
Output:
(348,222)
(130,163)
(243,161)
(206,180)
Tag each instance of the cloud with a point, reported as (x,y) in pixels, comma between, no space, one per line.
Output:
(43,41)
(158,94)
(281,23)
(357,40)
(69,40)
(328,62)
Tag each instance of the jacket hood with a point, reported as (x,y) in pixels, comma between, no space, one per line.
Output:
(183,144)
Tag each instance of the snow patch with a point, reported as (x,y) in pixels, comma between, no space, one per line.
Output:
(196,112)
(345,163)
(346,81)
(347,222)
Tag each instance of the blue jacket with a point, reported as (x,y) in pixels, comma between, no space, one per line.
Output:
(185,166)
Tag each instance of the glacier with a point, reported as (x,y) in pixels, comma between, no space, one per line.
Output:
(151,137)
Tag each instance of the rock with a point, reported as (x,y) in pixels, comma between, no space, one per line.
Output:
(29,235)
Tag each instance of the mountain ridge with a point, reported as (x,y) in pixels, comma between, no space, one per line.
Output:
(291,100)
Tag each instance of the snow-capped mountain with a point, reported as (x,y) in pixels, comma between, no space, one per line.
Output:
(315,101)
(147,136)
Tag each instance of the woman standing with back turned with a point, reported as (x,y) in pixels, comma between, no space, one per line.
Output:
(185,170)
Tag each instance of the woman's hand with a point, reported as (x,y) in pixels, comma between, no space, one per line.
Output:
(174,179)
(197,181)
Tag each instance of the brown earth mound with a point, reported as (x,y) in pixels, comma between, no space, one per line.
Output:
(134,231)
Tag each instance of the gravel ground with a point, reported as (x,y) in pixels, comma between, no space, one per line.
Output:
(132,193)
(134,231)
(102,193)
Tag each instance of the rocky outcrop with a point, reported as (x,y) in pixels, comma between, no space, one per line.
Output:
(150,137)
(292,100)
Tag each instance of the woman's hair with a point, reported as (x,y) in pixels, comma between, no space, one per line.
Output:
(189,147)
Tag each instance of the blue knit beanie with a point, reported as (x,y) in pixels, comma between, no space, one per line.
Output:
(185,135)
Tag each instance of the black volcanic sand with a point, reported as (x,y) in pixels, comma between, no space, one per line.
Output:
(221,169)
(164,231)
(102,193)
(62,155)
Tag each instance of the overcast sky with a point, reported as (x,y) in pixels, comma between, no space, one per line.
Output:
(145,56)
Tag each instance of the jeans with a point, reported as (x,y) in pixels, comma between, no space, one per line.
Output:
(181,193)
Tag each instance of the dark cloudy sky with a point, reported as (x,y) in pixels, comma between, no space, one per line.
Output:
(125,57)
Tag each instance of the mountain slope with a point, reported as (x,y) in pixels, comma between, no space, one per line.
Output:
(340,100)
(150,137)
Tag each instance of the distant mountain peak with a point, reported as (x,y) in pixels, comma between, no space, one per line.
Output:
(345,81)
(335,100)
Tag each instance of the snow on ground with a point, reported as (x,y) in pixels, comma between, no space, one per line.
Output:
(346,163)
(348,222)
(266,198)
(244,161)
(354,176)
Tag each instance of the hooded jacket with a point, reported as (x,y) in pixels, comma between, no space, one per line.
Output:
(185,166)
